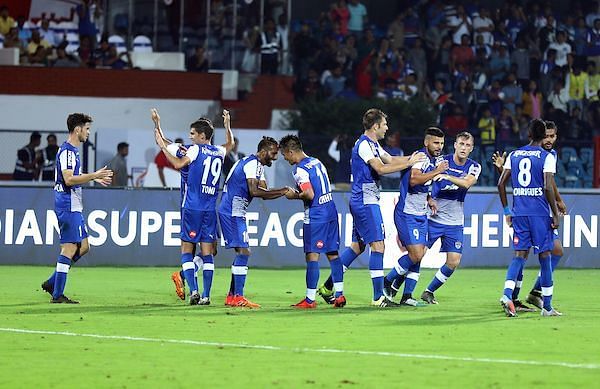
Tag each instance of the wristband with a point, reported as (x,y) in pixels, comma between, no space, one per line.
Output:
(507,211)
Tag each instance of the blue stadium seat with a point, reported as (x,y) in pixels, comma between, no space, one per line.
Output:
(568,154)
(586,154)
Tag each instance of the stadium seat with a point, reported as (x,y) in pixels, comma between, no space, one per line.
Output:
(142,43)
(568,154)
(70,33)
(586,154)
(118,42)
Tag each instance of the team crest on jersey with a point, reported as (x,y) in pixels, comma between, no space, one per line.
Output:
(192,234)
(458,245)
(320,244)
(516,240)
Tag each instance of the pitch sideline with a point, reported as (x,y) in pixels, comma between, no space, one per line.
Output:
(590,366)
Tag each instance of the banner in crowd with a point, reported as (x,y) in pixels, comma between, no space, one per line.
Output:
(141,228)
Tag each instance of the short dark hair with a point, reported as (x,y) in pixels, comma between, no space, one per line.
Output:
(465,134)
(35,136)
(266,143)
(372,117)
(77,119)
(550,124)
(537,130)
(203,126)
(434,131)
(290,142)
(122,145)
(51,136)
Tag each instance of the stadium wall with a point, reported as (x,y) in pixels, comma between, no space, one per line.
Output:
(141,228)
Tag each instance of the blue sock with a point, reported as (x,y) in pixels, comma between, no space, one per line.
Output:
(376,269)
(208,269)
(337,276)
(398,282)
(514,268)
(50,280)
(346,259)
(546,282)
(554,260)
(187,264)
(518,283)
(239,271)
(412,277)
(63,264)
(399,269)
(312,279)
(440,278)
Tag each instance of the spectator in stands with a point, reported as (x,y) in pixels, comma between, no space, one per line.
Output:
(162,162)
(499,62)
(577,129)
(546,68)
(38,49)
(232,157)
(87,12)
(358,18)
(593,43)
(481,50)
(562,48)
(506,128)
(339,13)
(86,52)
(310,88)
(364,77)
(547,34)
(63,59)
(26,167)
(460,24)
(395,32)
(579,40)
(593,83)
(520,59)
(533,101)
(559,97)
(11,40)
(456,122)
(463,55)
(198,61)
(576,82)
(484,26)
(251,51)
(119,165)
(24,30)
(6,22)
(284,32)
(392,146)
(512,93)
(441,62)
(347,55)
(340,150)
(417,57)
(116,60)
(487,128)
(463,97)
(390,90)
(270,48)
(348,93)
(46,158)
(303,48)
(334,84)
(48,34)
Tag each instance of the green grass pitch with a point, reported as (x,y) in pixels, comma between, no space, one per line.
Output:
(131,330)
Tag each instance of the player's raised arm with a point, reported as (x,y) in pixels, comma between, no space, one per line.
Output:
(229,141)
(504,177)
(177,162)
(498,160)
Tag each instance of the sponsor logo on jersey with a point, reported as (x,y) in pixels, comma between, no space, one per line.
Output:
(192,234)
(516,240)
(320,244)
(458,245)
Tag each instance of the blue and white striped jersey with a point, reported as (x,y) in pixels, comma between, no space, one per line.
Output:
(321,208)
(236,196)
(67,198)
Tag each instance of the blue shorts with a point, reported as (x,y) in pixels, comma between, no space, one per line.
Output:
(234,230)
(198,226)
(321,237)
(412,229)
(533,231)
(452,237)
(367,225)
(72,226)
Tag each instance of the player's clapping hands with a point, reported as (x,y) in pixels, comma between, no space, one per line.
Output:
(103,176)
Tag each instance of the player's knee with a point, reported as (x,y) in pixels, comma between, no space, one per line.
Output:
(378,246)
(453,262)
(244,251)
(558,250)
(358,247)
(68,250)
